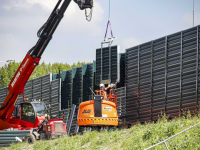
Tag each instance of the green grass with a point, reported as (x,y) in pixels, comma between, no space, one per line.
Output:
(137,137)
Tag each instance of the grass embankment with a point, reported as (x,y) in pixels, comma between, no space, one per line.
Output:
(137,137)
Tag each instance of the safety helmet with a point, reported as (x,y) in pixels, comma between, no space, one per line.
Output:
(101,85)
(112,85)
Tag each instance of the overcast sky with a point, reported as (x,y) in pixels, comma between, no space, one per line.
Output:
(133,22)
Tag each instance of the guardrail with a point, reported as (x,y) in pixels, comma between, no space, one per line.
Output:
(9,137)
(165,140)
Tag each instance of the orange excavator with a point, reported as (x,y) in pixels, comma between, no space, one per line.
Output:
(99,112)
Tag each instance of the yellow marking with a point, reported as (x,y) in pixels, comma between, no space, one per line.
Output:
(98,121)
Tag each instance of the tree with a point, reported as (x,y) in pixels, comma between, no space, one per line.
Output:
(7,71)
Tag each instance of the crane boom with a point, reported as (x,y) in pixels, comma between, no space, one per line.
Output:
(32,58)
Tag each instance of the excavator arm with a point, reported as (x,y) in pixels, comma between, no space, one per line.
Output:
(32,58)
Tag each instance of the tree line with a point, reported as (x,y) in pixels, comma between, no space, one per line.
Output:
(8,70)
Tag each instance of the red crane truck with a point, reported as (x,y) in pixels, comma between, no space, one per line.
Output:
(33,115)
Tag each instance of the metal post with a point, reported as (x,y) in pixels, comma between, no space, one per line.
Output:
(69,124)
(76,128)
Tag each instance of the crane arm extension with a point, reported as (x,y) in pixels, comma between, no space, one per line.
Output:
(32,58)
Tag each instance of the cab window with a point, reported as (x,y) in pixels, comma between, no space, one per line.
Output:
(27,110)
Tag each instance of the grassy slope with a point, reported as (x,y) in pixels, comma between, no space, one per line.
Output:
(137,137)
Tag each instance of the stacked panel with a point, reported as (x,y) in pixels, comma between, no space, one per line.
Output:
(98,67)
(132,82)
(3,94)
(189,70)
(173,77)
(36,91)
(105,72)
(64,114)
(27,91)
(122,58)
(46,88)
(165,75)
(158,77)
(107,64)
(66,90)
(121,104)
(145,81)
(198,67)
(87,82)
(95,86)
(55,97)
(77,85)
(115,64)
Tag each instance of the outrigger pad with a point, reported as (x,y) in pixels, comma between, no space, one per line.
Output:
(97,106)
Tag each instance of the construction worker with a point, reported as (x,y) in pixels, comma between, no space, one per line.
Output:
(104,90)
(112,92)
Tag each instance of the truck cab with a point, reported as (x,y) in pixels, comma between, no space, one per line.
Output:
(30,114)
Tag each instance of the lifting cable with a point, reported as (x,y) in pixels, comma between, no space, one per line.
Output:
(109,24)
(109,42)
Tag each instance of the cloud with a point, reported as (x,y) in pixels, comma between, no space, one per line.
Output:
(47,5)
(188,18)
(12,48)
(15,4)
(29,14)
(130,42)
(74,33)
(75,22)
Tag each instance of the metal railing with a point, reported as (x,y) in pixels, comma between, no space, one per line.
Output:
(165,140)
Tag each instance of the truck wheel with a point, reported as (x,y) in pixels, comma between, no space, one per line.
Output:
(30,139)
(43,136)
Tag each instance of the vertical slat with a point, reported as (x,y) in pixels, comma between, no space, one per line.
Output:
(181,64)
(138,94)
(151,80)
(197,69)
(165,73)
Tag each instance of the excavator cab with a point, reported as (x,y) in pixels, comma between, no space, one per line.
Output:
(98,112)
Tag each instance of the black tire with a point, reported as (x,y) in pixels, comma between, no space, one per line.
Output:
(30,139)
(43,136)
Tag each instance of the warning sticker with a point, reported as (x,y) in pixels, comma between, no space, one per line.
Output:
(107,108)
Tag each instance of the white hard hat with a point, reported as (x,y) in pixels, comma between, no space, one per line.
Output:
(101,85)
(112,85)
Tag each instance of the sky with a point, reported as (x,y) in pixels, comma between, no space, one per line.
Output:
(133,22)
